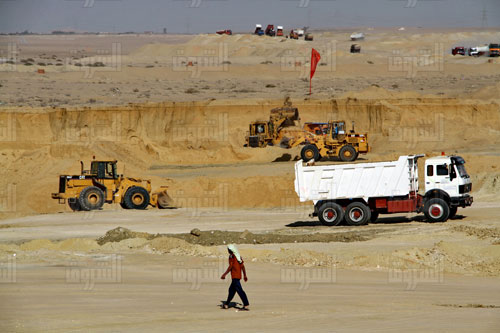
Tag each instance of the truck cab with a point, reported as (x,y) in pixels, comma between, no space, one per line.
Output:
(446,176)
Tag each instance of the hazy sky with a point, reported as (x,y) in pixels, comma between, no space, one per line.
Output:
(193,16)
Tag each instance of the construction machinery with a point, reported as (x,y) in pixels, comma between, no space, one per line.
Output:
(309,37)
(294,34)
(355,48)
(279,31)
(336,142)
(272,132)
(358,193)
(258,30)
(270,30)
(102,184)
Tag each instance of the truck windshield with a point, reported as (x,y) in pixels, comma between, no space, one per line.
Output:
(461,171)
(460,163)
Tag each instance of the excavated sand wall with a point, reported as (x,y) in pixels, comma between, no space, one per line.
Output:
(39,144)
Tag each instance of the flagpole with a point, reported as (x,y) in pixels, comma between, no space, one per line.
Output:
(310,85)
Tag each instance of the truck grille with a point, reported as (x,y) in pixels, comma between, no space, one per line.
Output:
(465,188)
(62,184)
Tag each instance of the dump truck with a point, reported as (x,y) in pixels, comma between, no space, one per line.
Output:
(258,30)
(309,37)
(279,31)
(270,30)
(359,193)
(102,184)
(336,142)
(355,48)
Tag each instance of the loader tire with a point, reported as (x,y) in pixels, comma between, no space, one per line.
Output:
(309,152)
(436,210)
(357,213)
(136,198)
(347,153)
(330,214)
(91,198)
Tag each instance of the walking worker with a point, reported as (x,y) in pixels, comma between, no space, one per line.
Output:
(236,265)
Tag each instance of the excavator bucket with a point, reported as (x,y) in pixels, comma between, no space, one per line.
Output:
(161,199)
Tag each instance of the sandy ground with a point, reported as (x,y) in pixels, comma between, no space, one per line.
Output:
(130,285)
(184,126)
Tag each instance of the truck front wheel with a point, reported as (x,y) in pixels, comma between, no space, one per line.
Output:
(330,214)
(357,213)
(436,210)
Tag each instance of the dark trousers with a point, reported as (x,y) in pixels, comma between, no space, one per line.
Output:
(236,287)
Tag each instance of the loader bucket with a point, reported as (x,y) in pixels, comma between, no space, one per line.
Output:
(161,199)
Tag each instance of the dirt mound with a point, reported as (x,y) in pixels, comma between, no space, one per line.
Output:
(118,234)
(217,237)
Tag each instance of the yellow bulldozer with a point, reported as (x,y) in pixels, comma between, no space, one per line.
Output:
(336,142)
(281,129)
(102,184)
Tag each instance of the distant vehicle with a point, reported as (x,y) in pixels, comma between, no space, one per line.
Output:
(258,30)
(279,31)
(270,30)
(355,48)
(309,37)
(458,50)
(494,50)
(358,193)
(224,32)
(479,50)
(294,34)
(300,32)
(357,36)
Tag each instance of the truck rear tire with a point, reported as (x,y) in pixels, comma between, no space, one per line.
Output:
(436,210)
(330,214)
(347,153)
(309,152)
(357,213)
(136,198)
(91,198)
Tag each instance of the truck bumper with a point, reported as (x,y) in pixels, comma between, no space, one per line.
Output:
(464,201)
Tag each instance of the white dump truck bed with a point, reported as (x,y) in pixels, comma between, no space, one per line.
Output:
(358,180)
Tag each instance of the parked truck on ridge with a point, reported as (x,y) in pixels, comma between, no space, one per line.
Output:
(358,193)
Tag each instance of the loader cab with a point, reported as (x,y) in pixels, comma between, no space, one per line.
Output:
(447,173)
(259,128)
(104,169)
(337,129)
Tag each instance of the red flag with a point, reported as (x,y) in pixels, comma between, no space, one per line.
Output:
(315,58)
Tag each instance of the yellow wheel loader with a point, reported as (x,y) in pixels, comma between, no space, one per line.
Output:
(336,143)
(102,184)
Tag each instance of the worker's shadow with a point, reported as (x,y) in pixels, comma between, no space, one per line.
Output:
(231,305)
